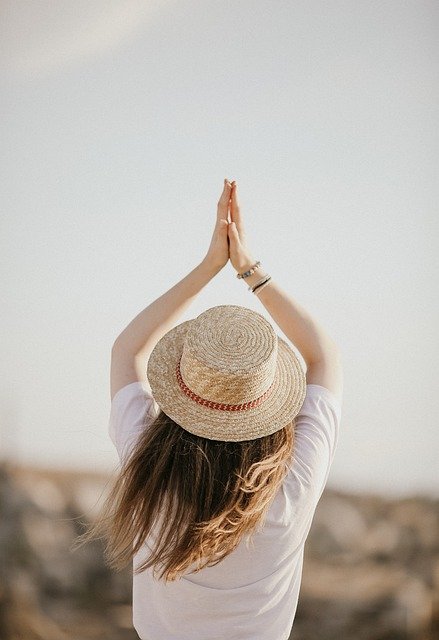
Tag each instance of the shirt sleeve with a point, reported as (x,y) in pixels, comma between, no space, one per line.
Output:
(133,408)
(316,434)
(315,441)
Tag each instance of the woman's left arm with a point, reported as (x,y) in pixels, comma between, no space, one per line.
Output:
(131,348)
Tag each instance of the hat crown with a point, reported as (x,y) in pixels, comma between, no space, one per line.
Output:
(229,355)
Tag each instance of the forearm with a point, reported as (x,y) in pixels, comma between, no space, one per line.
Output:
(144,331)
(297,324)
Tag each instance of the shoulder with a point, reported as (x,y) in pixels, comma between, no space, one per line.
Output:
(133,408)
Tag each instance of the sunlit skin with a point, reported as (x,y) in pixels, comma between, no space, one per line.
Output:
(229,238)
(218,253)
(132,347)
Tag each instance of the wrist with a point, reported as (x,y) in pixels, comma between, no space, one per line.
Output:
(208,268)
(255,277)
(246,264)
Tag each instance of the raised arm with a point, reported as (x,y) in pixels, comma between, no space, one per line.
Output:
(133,345)
(320,352)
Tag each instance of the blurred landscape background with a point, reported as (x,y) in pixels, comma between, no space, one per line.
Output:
(371,565)
(119,122)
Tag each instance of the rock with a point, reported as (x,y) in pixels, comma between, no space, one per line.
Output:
(371,565)
(381,540)
(43,493)
(338,528)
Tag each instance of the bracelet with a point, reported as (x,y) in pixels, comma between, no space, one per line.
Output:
(249,272)
(262,286)
(253,286)
(259,287)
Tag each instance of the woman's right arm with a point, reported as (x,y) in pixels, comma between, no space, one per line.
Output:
(319,351)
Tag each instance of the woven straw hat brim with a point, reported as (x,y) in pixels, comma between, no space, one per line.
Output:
(279,409)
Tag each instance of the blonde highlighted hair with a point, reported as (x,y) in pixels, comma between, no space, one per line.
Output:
(210,495)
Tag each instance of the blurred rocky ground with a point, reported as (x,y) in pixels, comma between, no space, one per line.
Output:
(371,566)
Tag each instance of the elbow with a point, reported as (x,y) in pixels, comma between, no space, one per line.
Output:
(116,345)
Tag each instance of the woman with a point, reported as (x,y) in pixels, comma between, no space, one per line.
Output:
(225,446)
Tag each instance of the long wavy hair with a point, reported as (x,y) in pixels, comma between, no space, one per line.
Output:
(210,493)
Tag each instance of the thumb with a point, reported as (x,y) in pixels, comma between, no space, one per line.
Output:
(233,231)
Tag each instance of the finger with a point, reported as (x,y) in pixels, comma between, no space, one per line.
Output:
(223,202)
(235,212)
(225,195)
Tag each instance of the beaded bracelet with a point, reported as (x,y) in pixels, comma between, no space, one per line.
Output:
(249,272)
(260,286)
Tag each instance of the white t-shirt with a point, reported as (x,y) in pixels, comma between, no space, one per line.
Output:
(252,594)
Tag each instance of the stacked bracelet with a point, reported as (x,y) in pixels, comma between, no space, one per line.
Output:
(260,285)
(249,272)
(252,287)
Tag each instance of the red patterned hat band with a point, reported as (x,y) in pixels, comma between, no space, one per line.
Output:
(220,405)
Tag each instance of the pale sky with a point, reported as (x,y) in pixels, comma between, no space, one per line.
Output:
(119,122)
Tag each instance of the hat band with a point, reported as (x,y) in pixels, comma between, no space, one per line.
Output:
(220,405)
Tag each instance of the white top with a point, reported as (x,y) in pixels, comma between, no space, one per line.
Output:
(252,594)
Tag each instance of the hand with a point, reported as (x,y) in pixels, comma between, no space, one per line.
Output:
(217,255)
(240,256)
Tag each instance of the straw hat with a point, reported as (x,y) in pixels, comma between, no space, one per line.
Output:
(226,375)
